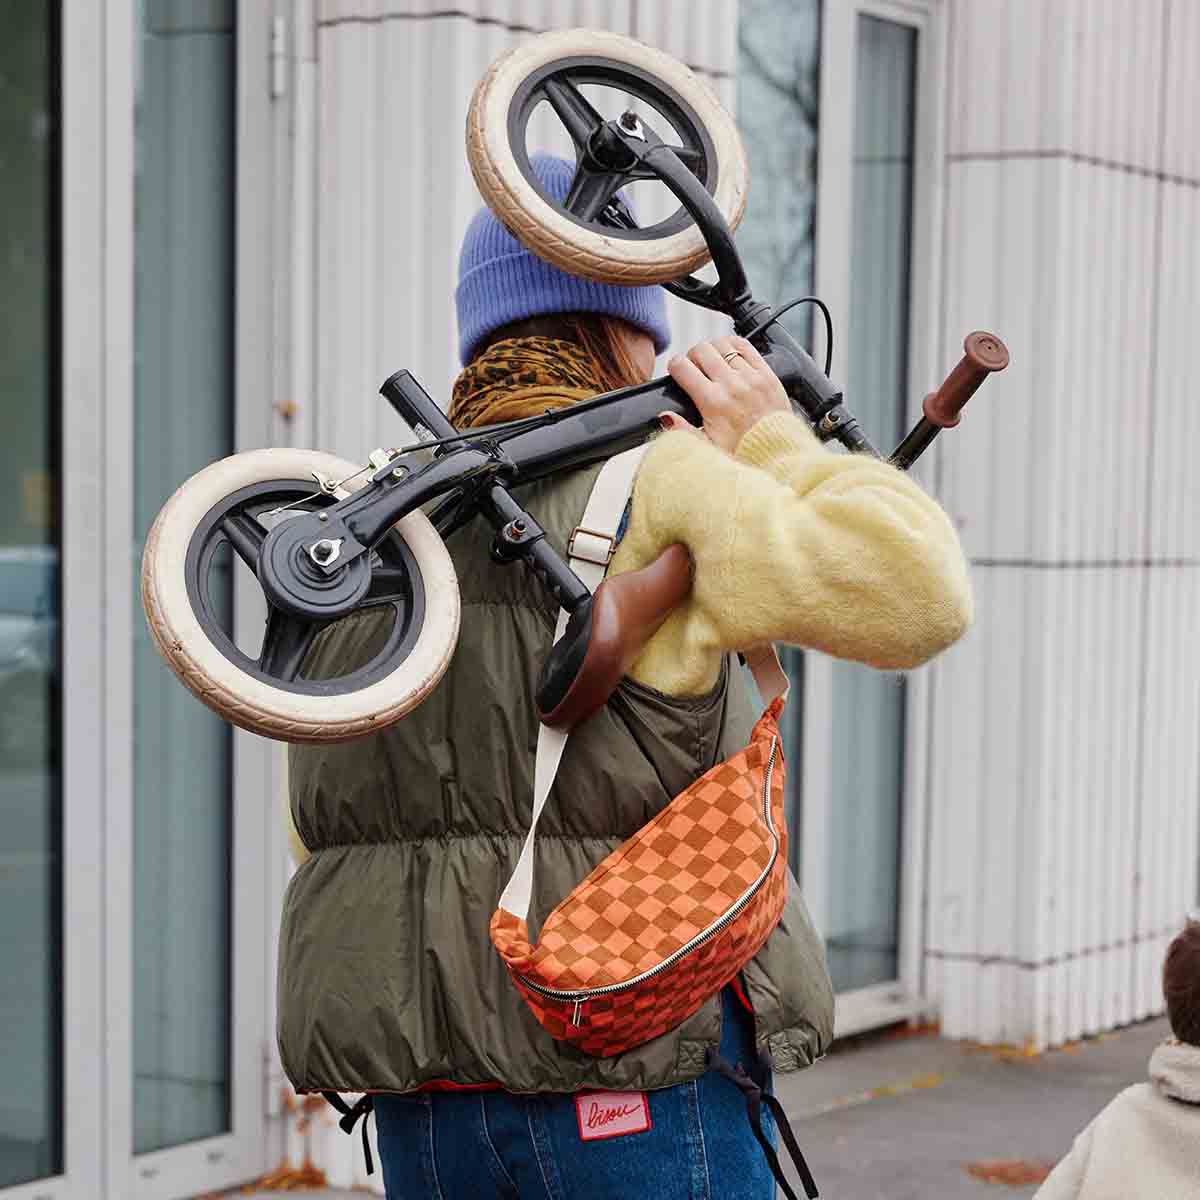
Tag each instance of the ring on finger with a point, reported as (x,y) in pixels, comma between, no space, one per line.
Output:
(732,355)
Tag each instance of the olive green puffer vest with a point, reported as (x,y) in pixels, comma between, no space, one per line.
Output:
(387,977)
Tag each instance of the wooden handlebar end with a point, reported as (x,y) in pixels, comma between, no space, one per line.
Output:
(983,353)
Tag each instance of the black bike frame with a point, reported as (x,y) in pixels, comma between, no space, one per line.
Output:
(473,471)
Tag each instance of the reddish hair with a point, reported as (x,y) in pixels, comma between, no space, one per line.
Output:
(1181,984)
(603,337)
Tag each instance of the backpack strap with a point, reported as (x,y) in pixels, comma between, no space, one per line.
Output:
(593,542)
(589,551)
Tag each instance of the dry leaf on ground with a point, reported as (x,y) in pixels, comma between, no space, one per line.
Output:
(289,1179)
(1013,1172)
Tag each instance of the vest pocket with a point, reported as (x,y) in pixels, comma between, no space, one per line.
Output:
(701,703)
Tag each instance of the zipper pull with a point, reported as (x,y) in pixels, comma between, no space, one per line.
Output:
(575,1014)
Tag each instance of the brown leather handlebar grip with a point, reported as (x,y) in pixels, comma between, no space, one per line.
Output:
(983,353)
(626,611)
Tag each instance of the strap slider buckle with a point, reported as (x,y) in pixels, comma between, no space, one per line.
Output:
(591,545)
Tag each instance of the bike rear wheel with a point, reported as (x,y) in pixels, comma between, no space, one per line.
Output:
(219,519)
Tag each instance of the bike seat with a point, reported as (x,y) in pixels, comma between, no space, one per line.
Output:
(606,634)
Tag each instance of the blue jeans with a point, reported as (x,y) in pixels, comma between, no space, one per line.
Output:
(447,1145)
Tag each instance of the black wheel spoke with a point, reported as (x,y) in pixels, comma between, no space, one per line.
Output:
(574,111)
(238,524)
(388,583)
(285,643)
(590,192)
(245,535)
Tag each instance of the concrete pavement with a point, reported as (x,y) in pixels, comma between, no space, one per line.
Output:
(901,1119)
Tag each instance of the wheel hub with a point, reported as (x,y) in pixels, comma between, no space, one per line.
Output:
(292,578)
(608,150)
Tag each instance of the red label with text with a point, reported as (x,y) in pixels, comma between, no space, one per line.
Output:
(611,1114)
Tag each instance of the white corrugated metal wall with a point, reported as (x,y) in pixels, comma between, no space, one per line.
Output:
(1064,769)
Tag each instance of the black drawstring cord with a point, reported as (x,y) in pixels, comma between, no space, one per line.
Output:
(789,1138)
(363,1108)
(754,1096)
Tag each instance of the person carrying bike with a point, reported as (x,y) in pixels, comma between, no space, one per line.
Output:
(388,982)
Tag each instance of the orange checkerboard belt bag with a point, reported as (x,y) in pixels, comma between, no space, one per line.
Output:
(673,914)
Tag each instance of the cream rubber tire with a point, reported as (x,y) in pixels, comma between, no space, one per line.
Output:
(551,234)
(253,703)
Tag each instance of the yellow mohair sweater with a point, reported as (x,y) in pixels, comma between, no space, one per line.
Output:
(792,543)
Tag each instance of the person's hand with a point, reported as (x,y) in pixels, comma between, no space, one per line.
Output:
(731,385)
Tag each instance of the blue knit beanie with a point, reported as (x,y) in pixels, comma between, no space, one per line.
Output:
(500,281)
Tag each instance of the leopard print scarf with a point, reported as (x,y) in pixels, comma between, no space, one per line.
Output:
(522,377)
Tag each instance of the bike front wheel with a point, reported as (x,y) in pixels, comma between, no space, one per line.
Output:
(560,69)
(283,679)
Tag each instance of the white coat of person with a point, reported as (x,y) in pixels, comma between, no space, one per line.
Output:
(1146,1144)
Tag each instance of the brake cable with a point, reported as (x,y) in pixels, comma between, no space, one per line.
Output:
(770,320)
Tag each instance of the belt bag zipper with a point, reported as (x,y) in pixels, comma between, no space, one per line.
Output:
(580,997)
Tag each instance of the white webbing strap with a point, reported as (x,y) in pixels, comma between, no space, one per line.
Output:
(551,743)
(769,676)
(590,550)
(594,540)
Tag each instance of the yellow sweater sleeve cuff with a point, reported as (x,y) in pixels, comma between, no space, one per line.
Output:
(774,439)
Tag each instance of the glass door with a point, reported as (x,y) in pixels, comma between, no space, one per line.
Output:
(189,1093)
(868,758)
(830,113)
(31,841)
(185,93)
(861,857)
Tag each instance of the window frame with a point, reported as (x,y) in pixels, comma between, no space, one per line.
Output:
(99,605)
(903,997)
